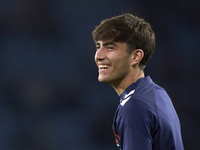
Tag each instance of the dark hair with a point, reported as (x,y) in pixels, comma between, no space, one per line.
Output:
(134,31)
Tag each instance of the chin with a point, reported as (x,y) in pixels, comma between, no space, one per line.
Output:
(105,80)
(100,79)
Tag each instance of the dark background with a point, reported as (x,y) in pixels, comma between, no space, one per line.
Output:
(50,98)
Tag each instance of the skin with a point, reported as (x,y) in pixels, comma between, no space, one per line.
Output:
(116,66)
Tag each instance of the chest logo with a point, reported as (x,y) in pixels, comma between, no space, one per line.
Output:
(127,97)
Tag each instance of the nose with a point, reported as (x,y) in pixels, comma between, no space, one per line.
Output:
(100,54)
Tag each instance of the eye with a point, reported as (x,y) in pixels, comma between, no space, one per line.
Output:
(97,47)
(110,48)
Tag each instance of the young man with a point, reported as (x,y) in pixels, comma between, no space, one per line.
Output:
(145,118)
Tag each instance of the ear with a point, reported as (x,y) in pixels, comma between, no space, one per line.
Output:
(137,56)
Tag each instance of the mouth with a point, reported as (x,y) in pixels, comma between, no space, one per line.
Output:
(103,67)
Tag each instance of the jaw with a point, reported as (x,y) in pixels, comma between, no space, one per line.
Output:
(103,78)
(110,79)
(116,79)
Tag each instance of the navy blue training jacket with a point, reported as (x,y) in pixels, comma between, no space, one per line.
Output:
(146,119)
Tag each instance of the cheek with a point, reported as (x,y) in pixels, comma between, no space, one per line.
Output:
(122,66)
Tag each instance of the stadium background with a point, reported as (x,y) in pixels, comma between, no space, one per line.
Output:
(50,98)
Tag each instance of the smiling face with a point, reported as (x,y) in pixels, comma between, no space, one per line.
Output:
(113,61)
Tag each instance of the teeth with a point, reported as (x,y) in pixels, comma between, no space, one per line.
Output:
(103,66)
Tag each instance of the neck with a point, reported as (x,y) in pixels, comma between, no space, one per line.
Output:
(131,78)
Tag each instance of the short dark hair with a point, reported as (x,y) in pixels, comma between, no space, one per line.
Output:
(132,30)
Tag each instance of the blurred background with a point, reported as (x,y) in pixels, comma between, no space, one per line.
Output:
(50,98)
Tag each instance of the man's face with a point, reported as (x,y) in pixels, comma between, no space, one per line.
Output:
(113,62)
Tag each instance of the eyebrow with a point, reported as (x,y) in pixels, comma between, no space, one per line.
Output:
(107,43)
